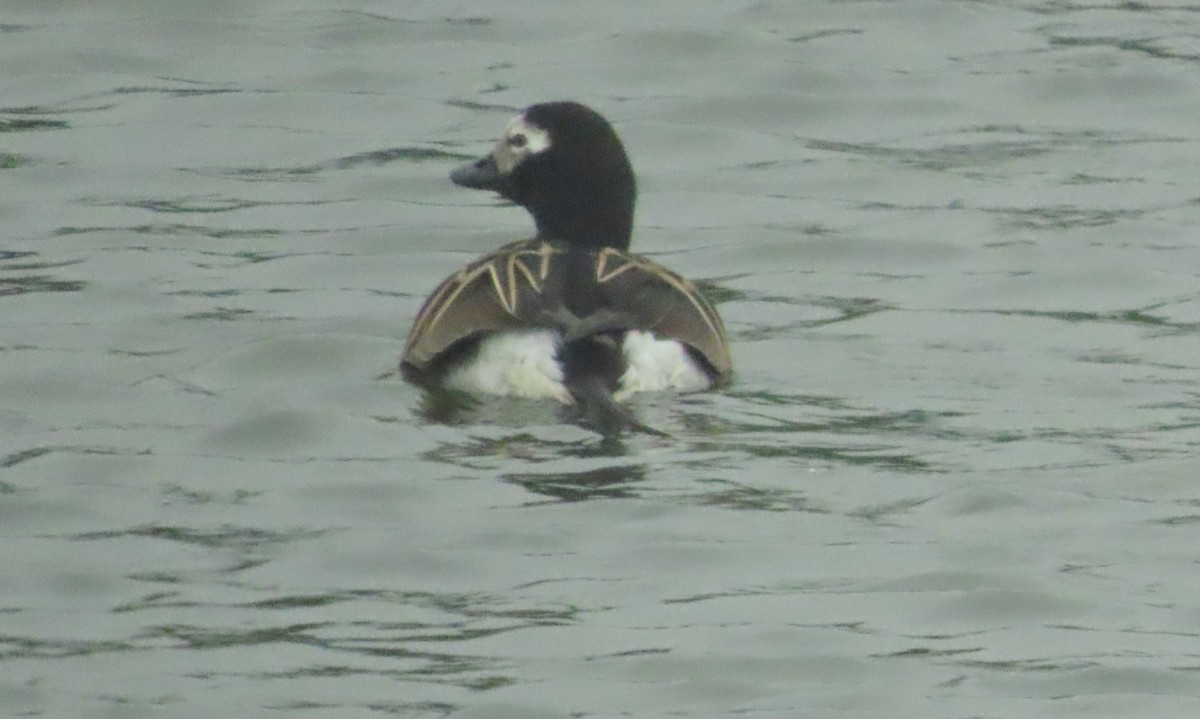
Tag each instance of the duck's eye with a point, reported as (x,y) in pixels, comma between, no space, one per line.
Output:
(518,140)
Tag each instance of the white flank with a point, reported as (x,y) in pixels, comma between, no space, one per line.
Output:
(518,364)
(656,365)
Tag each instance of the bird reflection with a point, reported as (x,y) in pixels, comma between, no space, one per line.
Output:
(610,482)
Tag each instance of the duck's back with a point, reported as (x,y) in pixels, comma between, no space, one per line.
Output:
(538,305)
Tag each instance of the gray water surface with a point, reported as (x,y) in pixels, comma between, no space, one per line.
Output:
(955,245)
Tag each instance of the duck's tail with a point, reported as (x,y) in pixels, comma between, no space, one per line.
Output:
(599,409)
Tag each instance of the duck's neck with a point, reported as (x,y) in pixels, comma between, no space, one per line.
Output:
(587,229)
(599,215)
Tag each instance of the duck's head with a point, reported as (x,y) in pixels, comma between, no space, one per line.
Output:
(564,163)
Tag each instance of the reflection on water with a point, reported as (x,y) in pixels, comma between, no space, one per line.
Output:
(14,281)
(609,482)
(37,283)
(954,245)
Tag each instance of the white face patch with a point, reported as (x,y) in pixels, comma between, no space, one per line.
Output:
(521,139)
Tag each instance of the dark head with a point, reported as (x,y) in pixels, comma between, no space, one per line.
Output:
(563,162)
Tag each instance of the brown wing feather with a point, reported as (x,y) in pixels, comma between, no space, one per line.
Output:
(666,304)
(489,295)
(504,290)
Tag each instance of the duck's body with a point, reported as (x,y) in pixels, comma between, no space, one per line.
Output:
(569,314)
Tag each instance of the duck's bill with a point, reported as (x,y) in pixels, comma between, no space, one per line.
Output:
(481,174)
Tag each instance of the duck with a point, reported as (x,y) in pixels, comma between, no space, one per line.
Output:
(569,314)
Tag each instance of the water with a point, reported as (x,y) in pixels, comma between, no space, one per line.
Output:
(955,247)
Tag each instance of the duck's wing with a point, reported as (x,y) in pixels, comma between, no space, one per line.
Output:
(524,284)
(656,299)
(499,291)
